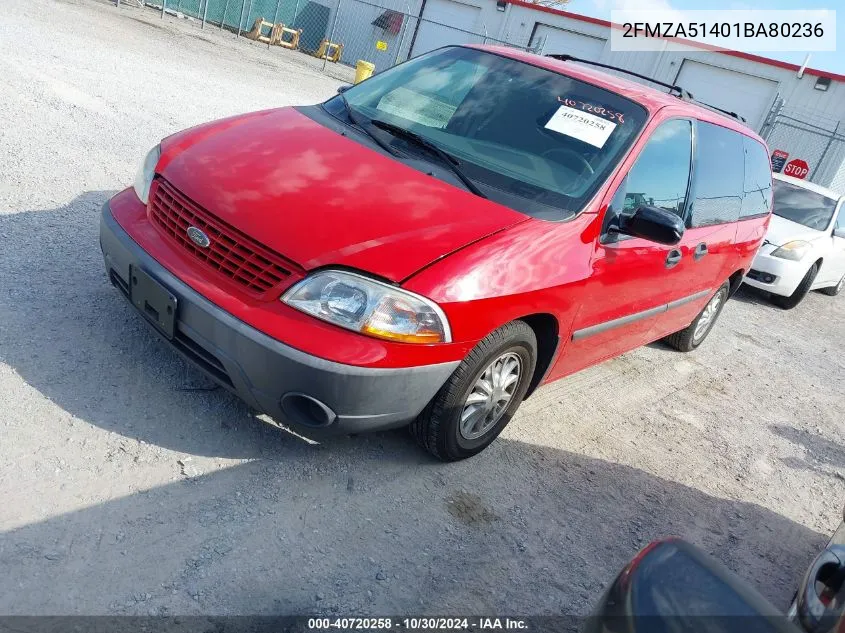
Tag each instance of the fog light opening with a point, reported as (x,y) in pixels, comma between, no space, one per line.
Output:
(306,410)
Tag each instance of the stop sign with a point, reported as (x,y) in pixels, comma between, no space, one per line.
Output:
(796,168)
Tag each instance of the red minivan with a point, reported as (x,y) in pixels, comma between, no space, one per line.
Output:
(431,245)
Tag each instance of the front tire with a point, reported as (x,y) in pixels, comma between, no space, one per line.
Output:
(787,303)
(694,334)
(834,290)
(481,396)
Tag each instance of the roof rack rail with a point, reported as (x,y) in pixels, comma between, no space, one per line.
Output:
(678,91)
(727,112)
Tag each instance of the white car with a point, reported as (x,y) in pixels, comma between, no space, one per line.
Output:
(804,248)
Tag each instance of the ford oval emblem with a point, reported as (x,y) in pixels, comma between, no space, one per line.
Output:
(198,237)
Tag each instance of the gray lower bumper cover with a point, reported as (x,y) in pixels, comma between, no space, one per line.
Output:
(261,369)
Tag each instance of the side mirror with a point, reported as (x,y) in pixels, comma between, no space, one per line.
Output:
(839,233)
(653,224)
(343,88)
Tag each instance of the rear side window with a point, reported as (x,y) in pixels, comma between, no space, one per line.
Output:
(660,176)
(758,180)
(719,175)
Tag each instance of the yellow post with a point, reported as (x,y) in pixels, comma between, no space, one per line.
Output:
(363,70)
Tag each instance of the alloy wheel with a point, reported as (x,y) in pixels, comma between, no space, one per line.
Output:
(708,316)
(490,395)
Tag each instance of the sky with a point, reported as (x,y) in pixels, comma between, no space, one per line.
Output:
(830,61)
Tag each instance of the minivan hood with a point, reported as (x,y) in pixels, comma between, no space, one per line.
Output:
(320,199)
(782,231)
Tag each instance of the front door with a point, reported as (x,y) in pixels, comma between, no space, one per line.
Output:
(716,203)
(632,279)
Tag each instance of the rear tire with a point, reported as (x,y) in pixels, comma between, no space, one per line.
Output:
(787,303)
(462,420)
(694,334)
(834,290)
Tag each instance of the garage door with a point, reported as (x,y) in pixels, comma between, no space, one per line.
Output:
(747,95)
(446,22)
(563,42)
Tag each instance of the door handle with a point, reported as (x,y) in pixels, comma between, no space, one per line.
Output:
(673,258)
(700,251)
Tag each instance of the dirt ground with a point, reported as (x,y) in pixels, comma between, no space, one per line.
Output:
(129,485)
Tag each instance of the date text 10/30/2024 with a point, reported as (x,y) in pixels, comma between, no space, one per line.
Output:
(418,624)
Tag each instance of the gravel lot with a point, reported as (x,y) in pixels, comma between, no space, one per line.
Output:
(128,485)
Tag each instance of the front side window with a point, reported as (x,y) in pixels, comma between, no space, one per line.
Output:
(803,206)
(660,176)
(840,221)
(719,175)
(757,198)
(530,138)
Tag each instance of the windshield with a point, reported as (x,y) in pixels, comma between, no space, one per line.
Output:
(803,206)
(534,140)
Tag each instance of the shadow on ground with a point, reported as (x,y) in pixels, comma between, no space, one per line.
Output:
(754,296)
(822,455)
(73,337)
(264,538)
(367,525)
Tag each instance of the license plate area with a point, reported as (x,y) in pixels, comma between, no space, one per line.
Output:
(153,300)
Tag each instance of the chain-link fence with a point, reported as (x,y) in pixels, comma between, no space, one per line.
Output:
(385,36)
(808,136)
(337,33)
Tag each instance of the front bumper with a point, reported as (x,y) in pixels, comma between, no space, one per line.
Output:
(267,374)
(787,274)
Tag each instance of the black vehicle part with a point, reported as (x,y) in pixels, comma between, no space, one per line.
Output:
(677,90)
(673,586)
(820,598)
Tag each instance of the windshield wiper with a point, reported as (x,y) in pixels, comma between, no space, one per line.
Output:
(362,124)
(452,162)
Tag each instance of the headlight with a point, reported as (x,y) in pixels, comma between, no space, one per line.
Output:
(792,250)
(144,178)
(370,307)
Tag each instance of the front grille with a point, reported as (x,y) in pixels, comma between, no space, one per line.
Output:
(230,253)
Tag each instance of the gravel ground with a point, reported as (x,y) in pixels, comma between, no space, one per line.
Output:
(128,485)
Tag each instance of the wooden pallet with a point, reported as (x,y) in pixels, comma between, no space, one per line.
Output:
(330,51)
(293,40)
(257,32)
